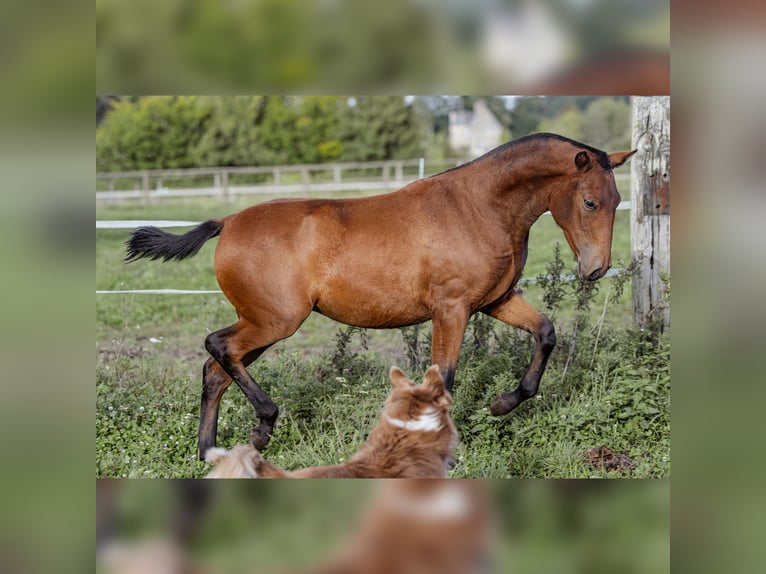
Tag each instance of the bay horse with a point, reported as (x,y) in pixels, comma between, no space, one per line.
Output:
(441,248)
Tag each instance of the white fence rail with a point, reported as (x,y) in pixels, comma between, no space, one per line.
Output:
(231,181)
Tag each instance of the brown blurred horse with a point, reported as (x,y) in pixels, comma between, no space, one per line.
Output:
(441,248)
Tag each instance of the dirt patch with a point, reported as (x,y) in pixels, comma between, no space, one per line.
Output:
(604,458)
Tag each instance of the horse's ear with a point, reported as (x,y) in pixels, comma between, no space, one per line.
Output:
(398,379)
(620,157)
(582,161)
(433,381)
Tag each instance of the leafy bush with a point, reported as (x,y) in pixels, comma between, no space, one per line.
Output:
(150,133)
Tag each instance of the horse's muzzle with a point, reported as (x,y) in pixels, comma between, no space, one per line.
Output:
(593,275)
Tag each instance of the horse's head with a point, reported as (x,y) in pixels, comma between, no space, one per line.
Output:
(422,408)
(584,208)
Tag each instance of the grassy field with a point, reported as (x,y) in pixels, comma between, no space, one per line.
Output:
(606,384)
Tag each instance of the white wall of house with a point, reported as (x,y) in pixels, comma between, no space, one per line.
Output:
(474,132)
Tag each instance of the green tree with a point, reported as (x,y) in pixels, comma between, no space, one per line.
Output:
(608,124)
(317,126)
(270,130)
(230,137)
(277,132)
(380,128)
(570,123)
(150,133)
(526,115)
(439,107)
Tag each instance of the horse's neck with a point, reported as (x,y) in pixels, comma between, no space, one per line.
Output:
(520,191)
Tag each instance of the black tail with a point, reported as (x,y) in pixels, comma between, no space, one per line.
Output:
(154,243)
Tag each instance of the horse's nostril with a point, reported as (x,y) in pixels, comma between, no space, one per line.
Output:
(594,274)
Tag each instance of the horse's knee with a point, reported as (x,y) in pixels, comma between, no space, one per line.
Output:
(547,335)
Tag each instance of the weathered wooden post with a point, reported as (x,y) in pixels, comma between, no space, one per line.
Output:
(650,210)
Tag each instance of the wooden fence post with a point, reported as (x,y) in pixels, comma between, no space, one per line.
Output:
(225,185)
(145,187)
(650,211)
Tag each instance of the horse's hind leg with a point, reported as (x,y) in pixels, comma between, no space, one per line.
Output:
(215,381)
(517,312)
(237,346)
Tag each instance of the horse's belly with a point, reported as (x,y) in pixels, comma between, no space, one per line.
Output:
(365,310)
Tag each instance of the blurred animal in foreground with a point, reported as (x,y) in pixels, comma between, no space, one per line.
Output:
(409,527)
(420,527)
(414,438)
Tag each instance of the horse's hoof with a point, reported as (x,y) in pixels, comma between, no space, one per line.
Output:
(503,404)
(260,437)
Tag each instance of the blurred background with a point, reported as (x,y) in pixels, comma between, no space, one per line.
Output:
(546,527)
(491,46)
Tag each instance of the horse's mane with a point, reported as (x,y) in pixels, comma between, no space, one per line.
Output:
(601,156)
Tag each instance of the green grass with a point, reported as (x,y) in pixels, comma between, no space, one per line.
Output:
(612,389)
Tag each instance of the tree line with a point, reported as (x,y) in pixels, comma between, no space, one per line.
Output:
(158,132)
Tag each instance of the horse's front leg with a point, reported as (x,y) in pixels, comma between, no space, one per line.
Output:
(517,312)
(448,324)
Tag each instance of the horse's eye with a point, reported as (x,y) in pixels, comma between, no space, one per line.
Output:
(590,205)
